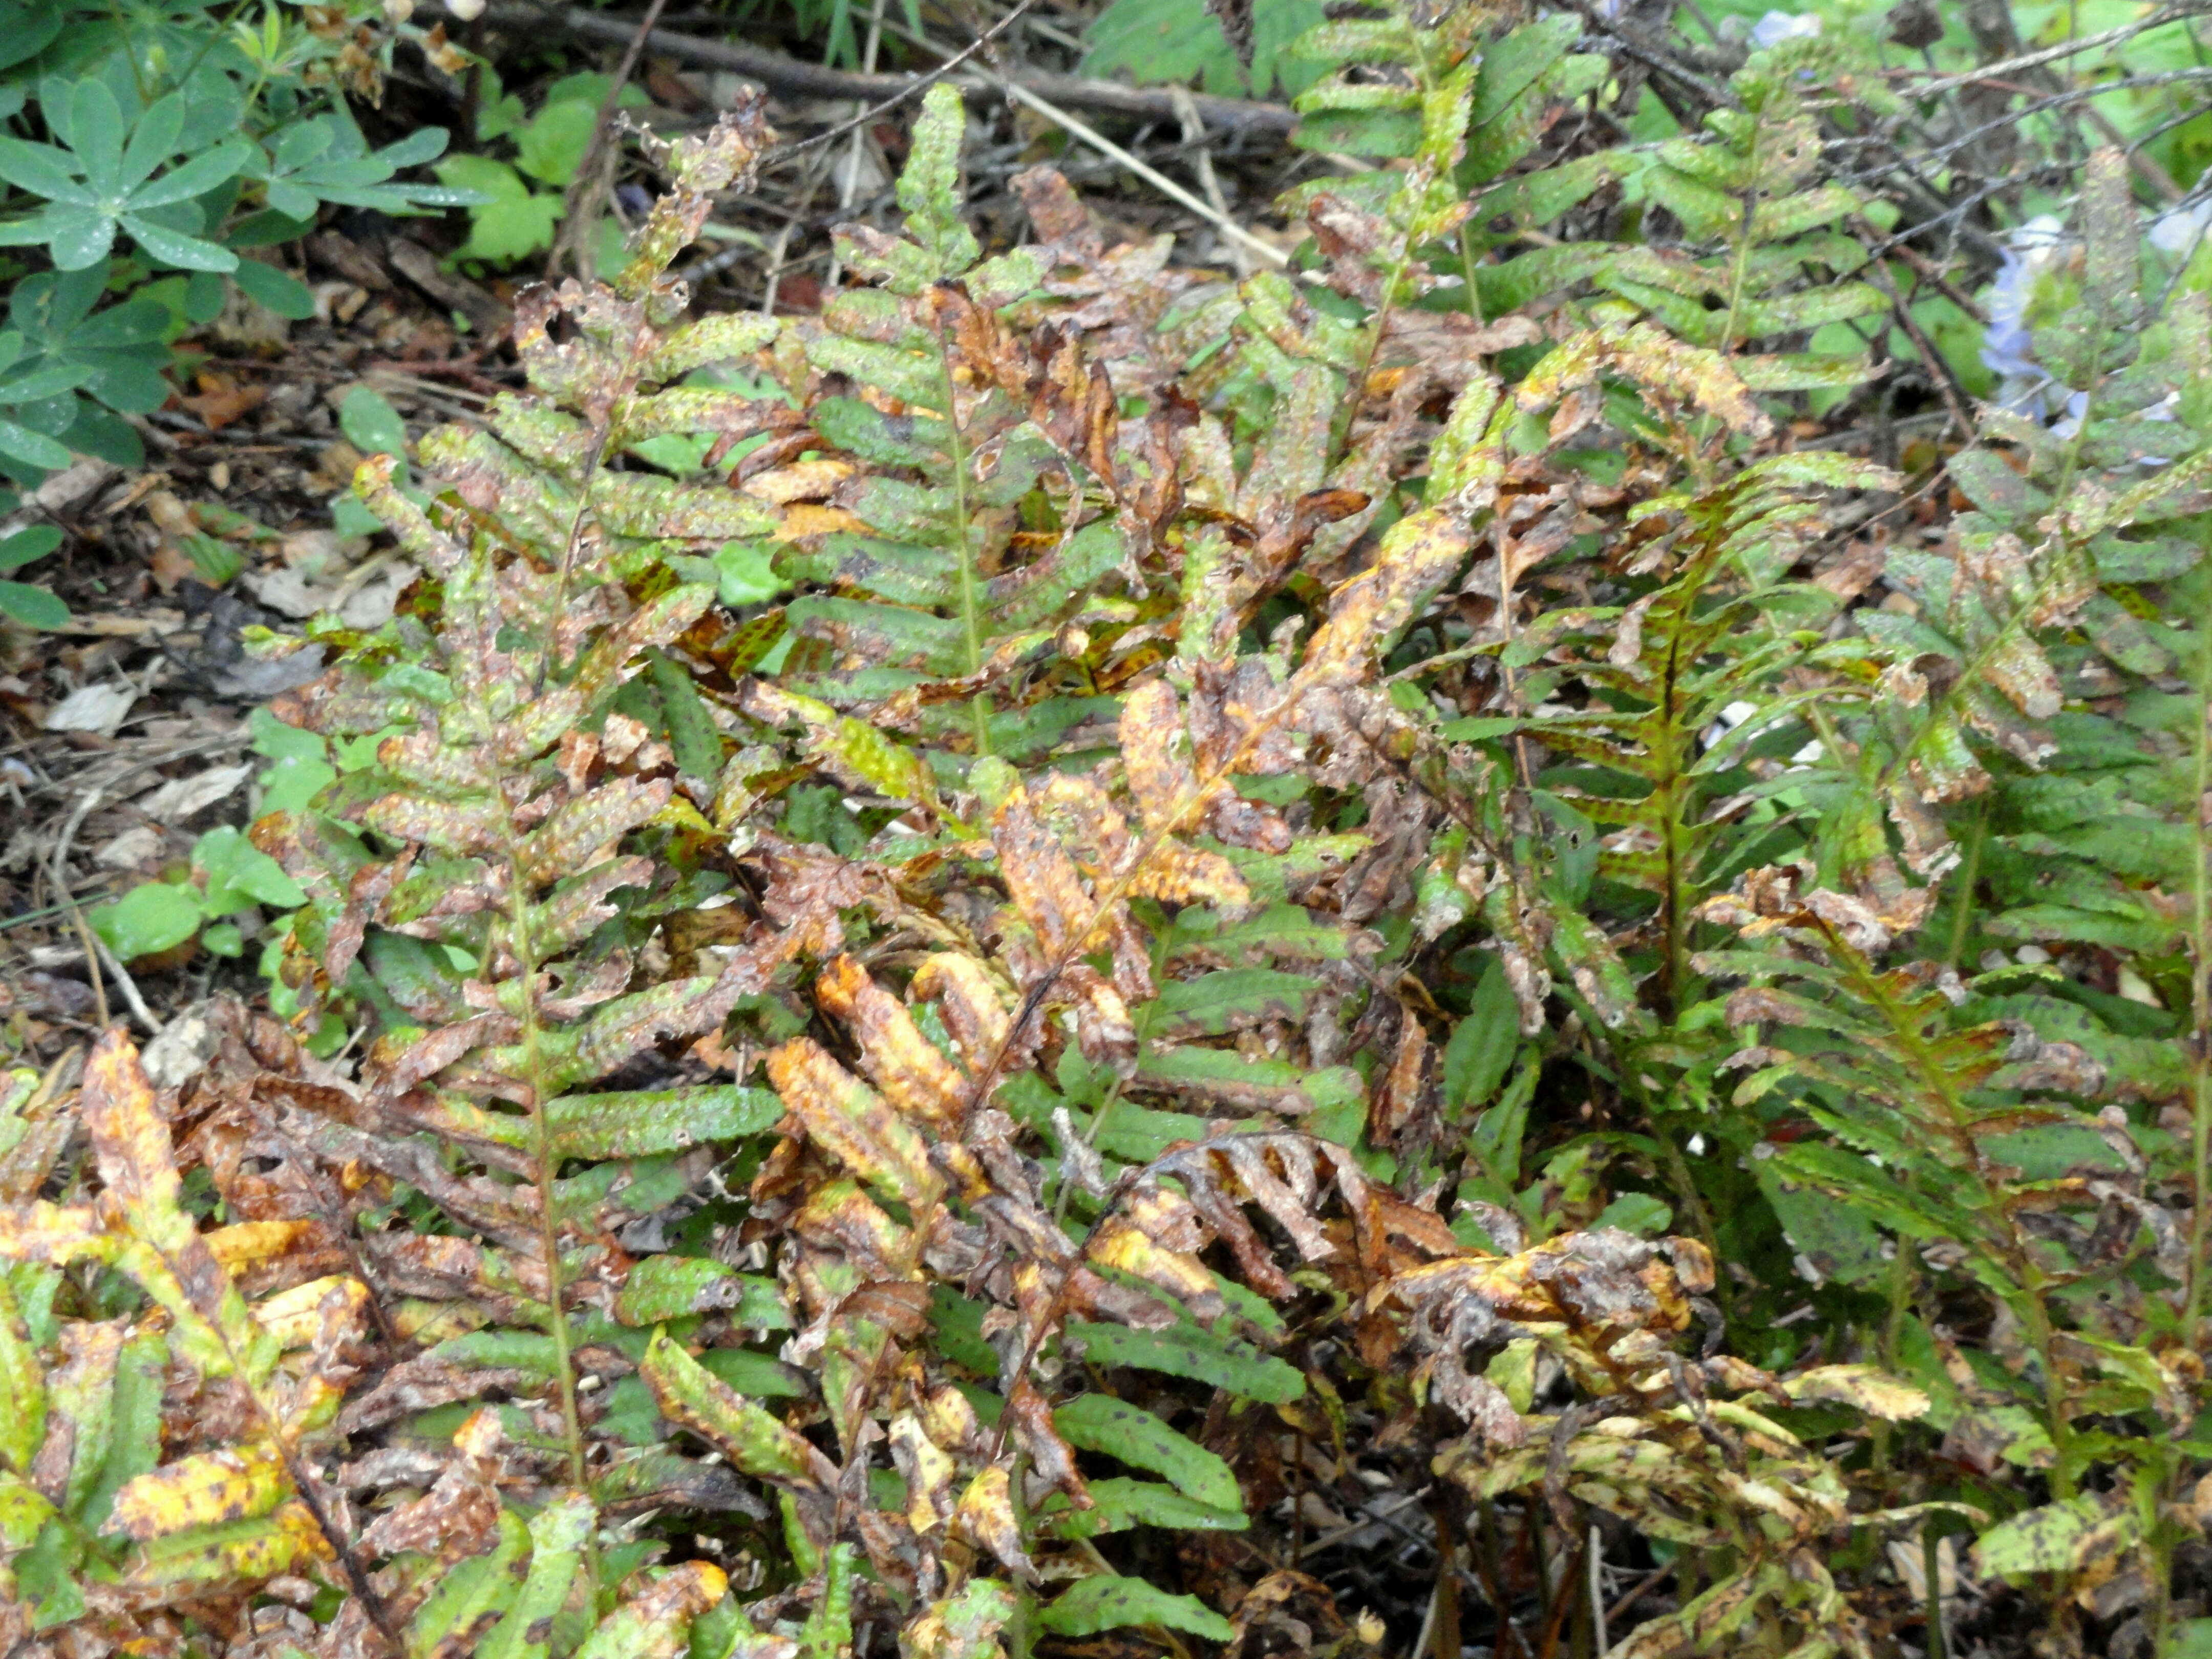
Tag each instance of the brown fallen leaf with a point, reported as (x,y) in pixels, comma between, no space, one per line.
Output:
(221,400)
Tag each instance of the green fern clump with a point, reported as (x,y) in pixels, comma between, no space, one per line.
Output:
(1317,877)
(982,517)
(2010,1107)
(472,885)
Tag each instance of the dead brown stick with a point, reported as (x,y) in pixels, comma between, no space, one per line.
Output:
(792,78)
(584,192)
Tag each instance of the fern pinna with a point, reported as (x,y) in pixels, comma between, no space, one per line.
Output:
(1317,877)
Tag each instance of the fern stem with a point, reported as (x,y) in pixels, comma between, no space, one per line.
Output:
(2200,998)
(1970,873)
(1466,258)
(2029,1286)
(971,615)
(1671,789)
(546,1159)
(1893,1328)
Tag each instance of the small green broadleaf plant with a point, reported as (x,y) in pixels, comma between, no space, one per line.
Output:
(1161,42)
(178,147)
(34,607)
(78,369)
(511,896)
(938,585)
(228,878)
(511,220)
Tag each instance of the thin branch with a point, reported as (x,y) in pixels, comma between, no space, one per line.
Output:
(920,83)
(1084,133)
(2129,83)
(1158,180)
(582,202)
(1634,45)
(791,78)
(2173,14)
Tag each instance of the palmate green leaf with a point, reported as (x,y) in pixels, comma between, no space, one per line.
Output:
(1111,1602)
(33,448)
(1096,1422)
(1189,1351)
(172,247)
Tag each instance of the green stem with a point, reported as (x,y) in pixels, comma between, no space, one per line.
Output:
(1466,258)
(964,559)
(1670,791)
(1893,1328)
(1931,1560)
(2200,999)
(547,1159)
(2001,1241)
(1970,873)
